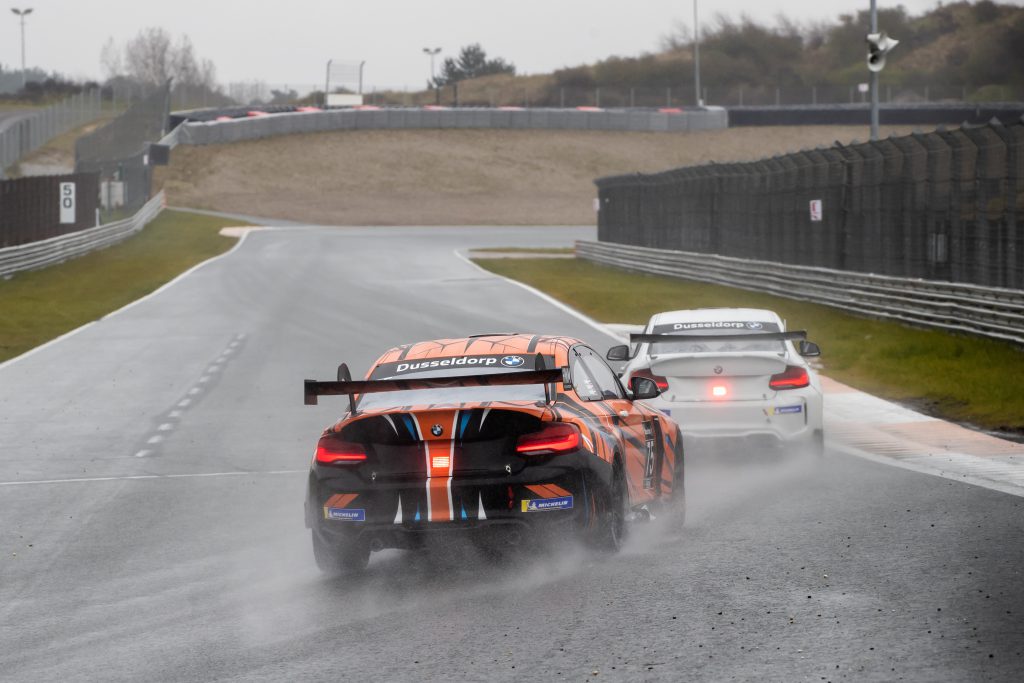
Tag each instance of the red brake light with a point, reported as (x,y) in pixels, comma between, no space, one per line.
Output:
(794,377)
(332,452)
(646,372)
(559,437)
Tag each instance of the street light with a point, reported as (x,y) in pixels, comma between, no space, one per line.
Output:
(696,57)
(21,14)
(433,52)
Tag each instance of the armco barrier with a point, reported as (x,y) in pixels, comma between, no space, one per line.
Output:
(57,249)
(235,130)
(985,311)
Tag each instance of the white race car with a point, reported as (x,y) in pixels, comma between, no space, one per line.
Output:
(730,372)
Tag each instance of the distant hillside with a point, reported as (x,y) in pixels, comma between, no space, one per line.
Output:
(972,50)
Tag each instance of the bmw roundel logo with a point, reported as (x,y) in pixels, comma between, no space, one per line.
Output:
(512,361)
(718,369)
(437,430)
(754,326)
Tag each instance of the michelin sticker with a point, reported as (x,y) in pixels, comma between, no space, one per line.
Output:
(545,504)
(784,410)
(345,514)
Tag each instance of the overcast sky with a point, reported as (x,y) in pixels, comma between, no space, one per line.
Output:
(290,42)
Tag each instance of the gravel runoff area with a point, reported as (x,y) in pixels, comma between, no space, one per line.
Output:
(454,177)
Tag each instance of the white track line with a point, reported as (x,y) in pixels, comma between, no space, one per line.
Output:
(600,327)
(126,307)
(144,477)
(971,469)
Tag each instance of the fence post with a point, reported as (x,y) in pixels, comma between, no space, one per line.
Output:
(668,96)
(632,97)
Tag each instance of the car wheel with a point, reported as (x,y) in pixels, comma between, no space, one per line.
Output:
(679,487)
(340,559)
(817,447)
(611,528)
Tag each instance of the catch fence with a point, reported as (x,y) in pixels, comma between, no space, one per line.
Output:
(23,134)
(120,152)
(945,206)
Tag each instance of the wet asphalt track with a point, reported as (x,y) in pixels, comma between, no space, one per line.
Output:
(839,570)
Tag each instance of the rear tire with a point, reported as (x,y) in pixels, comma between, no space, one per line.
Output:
(817,444)
(611,530)
(678,505)
(347,558)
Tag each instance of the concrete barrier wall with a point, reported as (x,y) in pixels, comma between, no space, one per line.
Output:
(235,130)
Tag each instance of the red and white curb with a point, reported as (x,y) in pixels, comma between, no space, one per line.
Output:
(873,428)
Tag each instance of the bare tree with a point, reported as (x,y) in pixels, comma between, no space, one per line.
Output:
(148,56)
(110,59)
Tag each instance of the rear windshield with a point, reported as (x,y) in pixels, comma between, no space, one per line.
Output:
(448,394)
(713,329)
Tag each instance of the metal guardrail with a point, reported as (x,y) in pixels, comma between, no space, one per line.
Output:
(218,132)
(985,311)
(57,249)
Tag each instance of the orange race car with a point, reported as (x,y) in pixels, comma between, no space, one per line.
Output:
(504,438)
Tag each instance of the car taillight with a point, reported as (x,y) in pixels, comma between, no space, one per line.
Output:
(555,438)
(794,377)
(646,372)
(333,452)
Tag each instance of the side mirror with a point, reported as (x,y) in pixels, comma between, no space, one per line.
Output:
(644,387)
(809,349)
(620,352)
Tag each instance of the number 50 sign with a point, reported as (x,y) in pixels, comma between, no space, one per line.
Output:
(67,203)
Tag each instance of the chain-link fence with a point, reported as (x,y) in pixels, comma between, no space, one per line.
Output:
(24,133)
(947,205)
(119,152)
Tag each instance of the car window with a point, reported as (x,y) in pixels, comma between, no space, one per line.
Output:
(600,382)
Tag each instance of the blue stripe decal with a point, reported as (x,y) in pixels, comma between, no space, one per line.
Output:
(463,423)
(407,420)
(463,512)
(417,517)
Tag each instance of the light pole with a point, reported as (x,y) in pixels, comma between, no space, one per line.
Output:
(433,52)
(874,78)
(21,14)
(696,56)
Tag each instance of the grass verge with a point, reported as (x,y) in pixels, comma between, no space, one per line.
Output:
(39,305)
(523,250)
(967,379)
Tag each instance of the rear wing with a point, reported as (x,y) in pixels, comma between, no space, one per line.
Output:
(313,388)
(751,336)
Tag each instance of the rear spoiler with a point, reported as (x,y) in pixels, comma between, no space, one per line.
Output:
(670,337)
(313,388)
